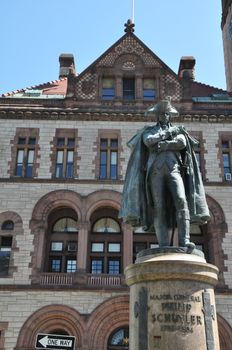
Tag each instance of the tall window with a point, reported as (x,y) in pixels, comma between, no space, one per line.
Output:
(5,252)
(105,247)
(148,89)
(108,159)
(226,146)
(108,88)
(25,157)
(64,157)
(62,245)
(128,88)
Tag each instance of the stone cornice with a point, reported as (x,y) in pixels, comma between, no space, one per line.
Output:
(64,114)
(116,183)
(23,180)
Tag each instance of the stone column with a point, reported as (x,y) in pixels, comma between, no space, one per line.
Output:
(127,245)
(139,87)
(172,304)
(118,87)
(82,245)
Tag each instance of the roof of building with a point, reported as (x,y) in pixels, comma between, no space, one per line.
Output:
(199,90)
(59,89)
(52,89)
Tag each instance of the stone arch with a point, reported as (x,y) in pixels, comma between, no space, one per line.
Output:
(217,214)
(101,198)
(225,333)
(11,216)
(107,317)
(46,320)
(56,199)
(126,61)
(38,224)
(216,230)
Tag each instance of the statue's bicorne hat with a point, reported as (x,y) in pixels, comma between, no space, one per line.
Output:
(164,106)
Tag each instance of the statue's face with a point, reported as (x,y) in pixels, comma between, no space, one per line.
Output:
(164,118)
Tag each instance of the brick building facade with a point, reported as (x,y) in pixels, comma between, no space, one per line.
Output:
(63,158)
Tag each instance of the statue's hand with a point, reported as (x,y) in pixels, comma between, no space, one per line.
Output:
(176,130)
(173,130)
(162,146)
(181,129)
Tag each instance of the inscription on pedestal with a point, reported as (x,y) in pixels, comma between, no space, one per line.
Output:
(177,312)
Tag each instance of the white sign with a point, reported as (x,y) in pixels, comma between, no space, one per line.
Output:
(54,341)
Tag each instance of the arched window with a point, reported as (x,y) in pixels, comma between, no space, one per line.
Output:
(6,239)
(119,339)
(65,225)
(106,225)
(105,247)
(62,243)
(8,225)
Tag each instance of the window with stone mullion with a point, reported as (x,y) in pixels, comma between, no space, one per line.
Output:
(64,157)
(226,157)
(105,248)
(25,157)
(108,159)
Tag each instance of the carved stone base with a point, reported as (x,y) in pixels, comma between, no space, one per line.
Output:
(172,304)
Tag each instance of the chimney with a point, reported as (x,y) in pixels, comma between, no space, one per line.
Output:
(186,68)
(67,65)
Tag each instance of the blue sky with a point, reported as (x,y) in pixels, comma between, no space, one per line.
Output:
(35,32)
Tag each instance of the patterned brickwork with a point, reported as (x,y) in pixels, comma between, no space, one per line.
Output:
(129,45)
(86,87)
(171,87)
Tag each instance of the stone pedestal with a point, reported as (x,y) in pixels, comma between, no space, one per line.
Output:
(172,304)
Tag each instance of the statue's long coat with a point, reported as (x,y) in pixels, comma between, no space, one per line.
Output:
(137,207)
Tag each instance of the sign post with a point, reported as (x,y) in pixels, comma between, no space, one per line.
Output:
(54,341)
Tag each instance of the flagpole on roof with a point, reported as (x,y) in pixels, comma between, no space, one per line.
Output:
(133,11)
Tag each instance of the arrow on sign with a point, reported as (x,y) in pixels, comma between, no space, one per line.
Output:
(47,341)
(44,341)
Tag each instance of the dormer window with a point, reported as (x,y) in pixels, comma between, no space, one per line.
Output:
(108,88)
(148,89)
(128,89)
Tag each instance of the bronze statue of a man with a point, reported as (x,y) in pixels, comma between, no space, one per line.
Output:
(163,186)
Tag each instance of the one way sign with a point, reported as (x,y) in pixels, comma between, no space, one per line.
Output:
(54,341)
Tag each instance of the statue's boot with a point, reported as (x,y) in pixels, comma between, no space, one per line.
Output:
(161,228)
(183,225)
